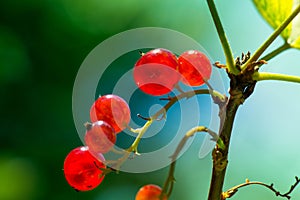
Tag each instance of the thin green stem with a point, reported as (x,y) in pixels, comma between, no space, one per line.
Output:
(169,183)
(134,146)
(116,164)
(162,111)
(261,76)
(276,52)
(188,94)
(189,134)
(270,40)
(224,41)
(168,186)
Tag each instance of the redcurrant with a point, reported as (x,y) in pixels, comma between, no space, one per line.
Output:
(195,67)
(113,110)
(149,192)
(100,137)
(155,73)
(82,170)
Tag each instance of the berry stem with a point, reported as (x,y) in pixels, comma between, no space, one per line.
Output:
(169,183)
(224,41)
(191,133)
(116,164)
(135,144)
(172,100)
(162,111)
(168,186)
(271,39)
(261,76)
(188,94)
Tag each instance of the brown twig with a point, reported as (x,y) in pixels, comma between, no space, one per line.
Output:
(229,193)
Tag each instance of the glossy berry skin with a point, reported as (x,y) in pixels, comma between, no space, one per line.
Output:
(155,73)
(195,67)
(113,110)
(149,192)
(81,169)
(100,137)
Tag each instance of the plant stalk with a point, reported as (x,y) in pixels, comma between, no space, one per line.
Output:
(262,76)
(224,41)
(276,52)
(220,156)
(271,39)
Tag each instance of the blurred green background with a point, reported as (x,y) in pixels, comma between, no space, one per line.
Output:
(42,45)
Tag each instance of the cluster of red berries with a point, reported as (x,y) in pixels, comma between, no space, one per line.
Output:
(159,70)
(84,166)
(155,73)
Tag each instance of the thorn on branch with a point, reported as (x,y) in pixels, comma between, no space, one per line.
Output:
(243,55)
(246,57)
(169,98)
(219,65)
(254,66)
(239,61)
(144,118)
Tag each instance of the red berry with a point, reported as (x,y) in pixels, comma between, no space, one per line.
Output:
(82,170)
(100,137)
(155,73)
(113,110)
(149,192)
(195,67)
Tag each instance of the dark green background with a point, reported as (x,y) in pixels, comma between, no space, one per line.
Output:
(42,45)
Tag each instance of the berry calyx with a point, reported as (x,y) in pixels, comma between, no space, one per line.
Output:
(100,137)
(195,67)
(155,73)
(82,170)
(149,192)
(113,110)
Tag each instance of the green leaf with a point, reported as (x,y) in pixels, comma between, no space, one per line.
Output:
(294,38)
(275,12)
(296,43)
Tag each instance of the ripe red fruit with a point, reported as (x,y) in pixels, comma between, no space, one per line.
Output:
(82,170)
(195,67)
(149,192)
(155,73)
(100,137)
(113,110)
